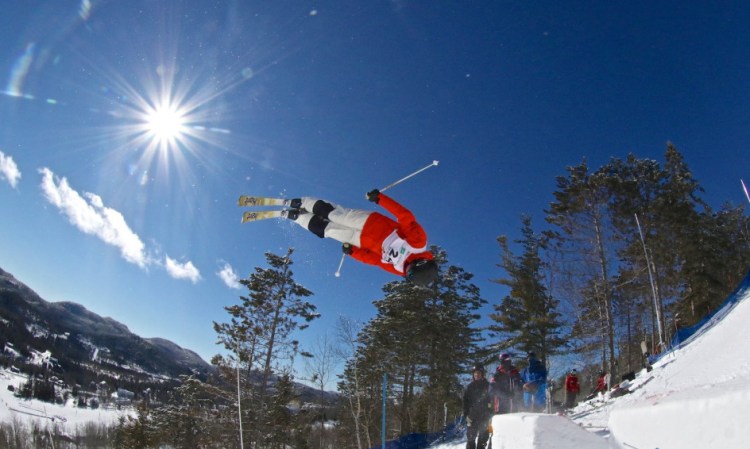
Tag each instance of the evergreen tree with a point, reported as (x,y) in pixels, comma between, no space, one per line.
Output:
(137,432)
(198,415)
(636,187)
(260,335)
(423,338)
(716,258)
(586,238)
(528,315)
(283,430)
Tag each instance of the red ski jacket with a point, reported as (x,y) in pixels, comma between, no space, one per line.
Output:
(571,383)
(390,244)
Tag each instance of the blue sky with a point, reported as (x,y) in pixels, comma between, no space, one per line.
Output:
(331,99)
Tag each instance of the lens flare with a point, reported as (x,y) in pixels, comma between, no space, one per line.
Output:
(166,124)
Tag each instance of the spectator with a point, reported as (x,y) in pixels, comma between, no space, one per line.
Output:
(534,378)
(572,388)
(477,410)
(602,385)
(506,386)
(602,382)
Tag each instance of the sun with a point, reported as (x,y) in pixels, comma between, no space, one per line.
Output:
(166,124)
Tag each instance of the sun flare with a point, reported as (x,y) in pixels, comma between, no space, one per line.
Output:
(166,123)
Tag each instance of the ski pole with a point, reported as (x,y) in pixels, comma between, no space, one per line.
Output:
(338,272)
(409,176)
(744,187)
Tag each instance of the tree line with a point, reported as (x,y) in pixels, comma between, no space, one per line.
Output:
(627,253)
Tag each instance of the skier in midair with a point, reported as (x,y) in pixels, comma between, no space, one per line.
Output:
(397,246)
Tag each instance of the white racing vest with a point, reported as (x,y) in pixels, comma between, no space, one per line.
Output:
(396,251)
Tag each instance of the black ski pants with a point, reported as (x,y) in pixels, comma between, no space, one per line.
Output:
(477,435)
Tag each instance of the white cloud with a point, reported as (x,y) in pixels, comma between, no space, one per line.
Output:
(182,270)
(88,213)
(229,276)
(9,170)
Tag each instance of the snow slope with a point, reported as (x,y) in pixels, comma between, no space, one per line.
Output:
(64,417)
(695,397)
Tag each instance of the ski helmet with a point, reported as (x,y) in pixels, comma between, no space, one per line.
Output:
(479,368)
(422,272)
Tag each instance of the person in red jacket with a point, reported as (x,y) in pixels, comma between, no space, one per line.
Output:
(572,388)
(397,246)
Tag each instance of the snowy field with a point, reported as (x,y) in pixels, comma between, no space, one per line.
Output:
(696,397)
(64,417)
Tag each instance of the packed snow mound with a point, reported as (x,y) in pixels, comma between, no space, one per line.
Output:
(706,417)
(540,431)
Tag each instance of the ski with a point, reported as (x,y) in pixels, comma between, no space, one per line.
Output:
(264,215)
(249,200)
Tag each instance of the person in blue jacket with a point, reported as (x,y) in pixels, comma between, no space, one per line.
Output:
(534,378)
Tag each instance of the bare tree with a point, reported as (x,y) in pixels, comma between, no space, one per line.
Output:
(320,368)
(348,329)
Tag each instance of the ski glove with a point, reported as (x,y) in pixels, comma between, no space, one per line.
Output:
(374,196)
(468,422)
(347,249)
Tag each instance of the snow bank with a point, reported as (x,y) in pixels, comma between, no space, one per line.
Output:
(537,431)
(699,396)
(712,416)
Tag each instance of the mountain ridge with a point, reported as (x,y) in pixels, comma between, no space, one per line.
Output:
(81,337)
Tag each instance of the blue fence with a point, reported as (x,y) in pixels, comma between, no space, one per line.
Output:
(423,440)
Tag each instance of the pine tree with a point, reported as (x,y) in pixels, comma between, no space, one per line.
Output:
(136,432)
(585,237)
(197,415)
(259,334)
(423,338)
(528,315)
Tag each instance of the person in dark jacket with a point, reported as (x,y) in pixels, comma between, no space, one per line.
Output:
(477,410)
(572,388)
(534,379)
(506,386)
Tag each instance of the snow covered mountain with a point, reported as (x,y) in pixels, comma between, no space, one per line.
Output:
(80,344)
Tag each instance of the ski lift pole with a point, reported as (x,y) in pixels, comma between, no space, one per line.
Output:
(434,163)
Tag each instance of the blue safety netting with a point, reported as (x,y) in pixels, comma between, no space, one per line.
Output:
(423,440)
